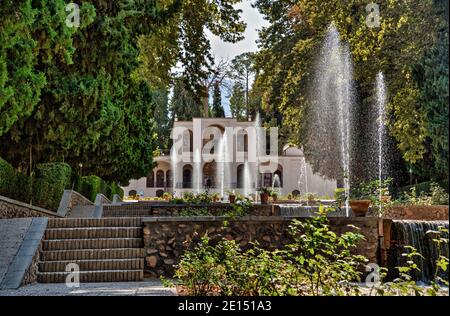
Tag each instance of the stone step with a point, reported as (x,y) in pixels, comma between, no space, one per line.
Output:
(126,212)
(94,222)
(93,265)
(93,232)
(92,254)
(71,244)
(93,276)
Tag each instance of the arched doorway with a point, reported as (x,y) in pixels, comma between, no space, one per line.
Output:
(160,179)
(169,178)
(187,177)
(151,179)
(209,175)
(240,176)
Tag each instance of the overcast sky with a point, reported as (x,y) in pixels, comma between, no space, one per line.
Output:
(224,50)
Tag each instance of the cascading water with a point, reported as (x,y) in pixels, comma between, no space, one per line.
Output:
(414,233)
(303,178)
(198,183)
(381,130)
(332,100)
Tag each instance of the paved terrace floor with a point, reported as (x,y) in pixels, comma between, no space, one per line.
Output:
(12,232)
(145,288)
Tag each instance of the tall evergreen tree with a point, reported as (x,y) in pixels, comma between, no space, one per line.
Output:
(217,108)
(237,101)
(90,112)
(183,104)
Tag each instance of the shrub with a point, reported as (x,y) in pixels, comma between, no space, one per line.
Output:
(317,262)
(90,186)
(49,184)
(7,178)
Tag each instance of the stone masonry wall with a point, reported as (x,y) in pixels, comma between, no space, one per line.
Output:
(418,212)
(165,239)
(14,209)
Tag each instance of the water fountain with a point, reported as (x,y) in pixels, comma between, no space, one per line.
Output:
(332,99)
(198,183)
(173,164)
(248,187)
(381,129)
(223,170)
(259,150)
(414,233)
(276,184)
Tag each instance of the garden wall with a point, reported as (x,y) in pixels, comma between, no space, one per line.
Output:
(14,209)
(417,212)
(165,239)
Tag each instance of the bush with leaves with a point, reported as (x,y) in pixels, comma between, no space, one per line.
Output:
(317,262)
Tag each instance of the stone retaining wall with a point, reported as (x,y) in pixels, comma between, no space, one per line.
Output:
(69,200)
(417,212)
(14,209)
(165,239)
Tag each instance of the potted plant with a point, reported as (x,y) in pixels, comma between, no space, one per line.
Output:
(231,197)
(360,200)
(264,194)
(215,197)
(167,196)
(274,196)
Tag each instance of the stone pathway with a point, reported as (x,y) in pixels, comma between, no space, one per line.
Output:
(145,288)
(12,232)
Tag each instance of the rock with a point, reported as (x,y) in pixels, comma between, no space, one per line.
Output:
(152,251)
(146,231)
(163,254)
(169,261)
(266,238)
(171,241)
(152,261)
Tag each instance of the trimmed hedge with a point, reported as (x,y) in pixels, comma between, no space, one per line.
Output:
(90,186)
(45,189)
(49,184)
(7,177)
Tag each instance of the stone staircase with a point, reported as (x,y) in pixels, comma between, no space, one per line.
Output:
(105,249)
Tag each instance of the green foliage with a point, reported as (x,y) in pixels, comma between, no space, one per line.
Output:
(90,186)
(183,39)
(44,189)
(183,103)
(317,262)
(435,196)
(50,181)
(408,41)
(217,108)
(237,101)
(7,177)
(73,97)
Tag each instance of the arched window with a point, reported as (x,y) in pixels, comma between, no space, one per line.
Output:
(159,193)
(240,176)
(169,178)
(187,176)
(295,193)
(160,179)
(132,193)
(188,141)
(151,179)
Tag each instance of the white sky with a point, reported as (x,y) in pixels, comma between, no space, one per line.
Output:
(223,50)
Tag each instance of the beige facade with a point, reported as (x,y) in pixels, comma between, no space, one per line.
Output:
(294,174)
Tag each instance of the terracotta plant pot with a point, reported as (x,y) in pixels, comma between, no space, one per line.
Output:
(232,198)
(360,207)
(385,198)
(264,198)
